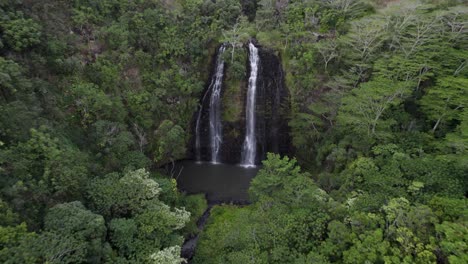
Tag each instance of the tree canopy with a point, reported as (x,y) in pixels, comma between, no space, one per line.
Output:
(97,101)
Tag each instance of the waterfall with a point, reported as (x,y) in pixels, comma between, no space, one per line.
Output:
(216,137)
(215,127)
(249,148)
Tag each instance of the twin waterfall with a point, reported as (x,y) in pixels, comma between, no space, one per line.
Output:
(215,125)
(245,138)
(249,148)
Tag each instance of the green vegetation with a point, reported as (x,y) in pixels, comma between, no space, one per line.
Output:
(91,94)
(292,220)
(97,96)
(233,84)
(379,104)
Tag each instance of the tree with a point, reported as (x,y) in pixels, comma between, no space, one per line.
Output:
(281,179)
(367,247)
(17,119)
(221,14)
(410,33)
(170,255)
(328,50)
(170,142)
(76,233)
(140,224)
(84,18)
(117,146)
(445,101)
(237,35)
(448,209)
(115,195)
(142,237)
(453,241)
(42,172)
(15,244)
(267,16)
(339,239)
(364,108)
(21,33)
(365,38)
(12,81)
(458,140)
(90,103)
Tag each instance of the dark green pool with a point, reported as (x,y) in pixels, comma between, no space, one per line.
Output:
(220,182)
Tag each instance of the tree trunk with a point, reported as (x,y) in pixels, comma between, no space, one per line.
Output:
(436,125)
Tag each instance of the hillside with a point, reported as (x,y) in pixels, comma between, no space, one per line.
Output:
(354,112)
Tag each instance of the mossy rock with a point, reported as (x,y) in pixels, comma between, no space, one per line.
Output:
(232,101)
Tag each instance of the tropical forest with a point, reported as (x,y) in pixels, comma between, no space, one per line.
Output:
(234,131)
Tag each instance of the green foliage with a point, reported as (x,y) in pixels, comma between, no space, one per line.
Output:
(117,195)
(118,147)
(449,209)
(458,139)
(12,79)
(280,179)
(17,119)
(140,223)
(15,242)
(7,216)
(90,103)
(170,255)
(77,233)
(221,14)
(284,224)
(364,108)
(92,91)
(196,205)
(444,102)
(170,142)
(367,247)
(454,238)
(42,171)
(236,36)
(21,33)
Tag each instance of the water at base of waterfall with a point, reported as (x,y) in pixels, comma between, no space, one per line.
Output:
(220,182)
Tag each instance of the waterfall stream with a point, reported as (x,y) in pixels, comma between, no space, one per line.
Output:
(215,125)
(216,137)
(249,148)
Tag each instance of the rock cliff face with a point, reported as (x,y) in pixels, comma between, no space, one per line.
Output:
(272,111)
(273,108)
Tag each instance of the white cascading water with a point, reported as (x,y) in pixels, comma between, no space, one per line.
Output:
(249,148)
(216,138)
(216,128)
